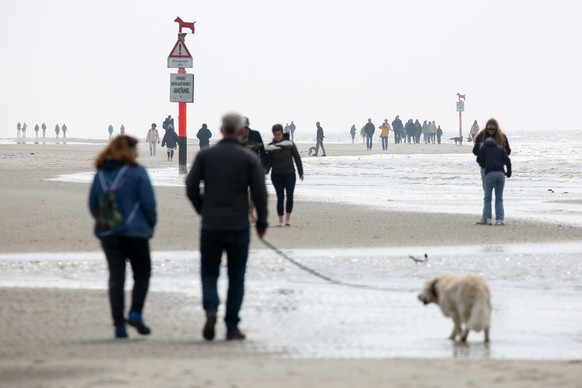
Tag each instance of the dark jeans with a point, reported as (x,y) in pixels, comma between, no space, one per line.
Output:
(369,142)
(282,183)
(317,145)
(236,245)
(117,250)
(384,142)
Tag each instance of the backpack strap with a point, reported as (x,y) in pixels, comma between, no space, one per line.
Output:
(115,182)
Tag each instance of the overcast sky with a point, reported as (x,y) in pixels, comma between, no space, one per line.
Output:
(94,63)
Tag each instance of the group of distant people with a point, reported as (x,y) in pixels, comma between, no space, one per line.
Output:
(21,132)
(410,132)
(111,131)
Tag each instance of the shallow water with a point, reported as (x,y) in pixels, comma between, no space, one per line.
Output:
(537,309)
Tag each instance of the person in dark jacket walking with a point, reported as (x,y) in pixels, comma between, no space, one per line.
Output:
(494,158)
(319,136)
(280,156)
(170,141)
(228,171)
(134,195)
(43,126)
(491,129)
(398,128)
(204,136)
(353,132)
(369,128)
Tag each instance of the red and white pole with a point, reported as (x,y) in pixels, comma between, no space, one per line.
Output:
(182,134)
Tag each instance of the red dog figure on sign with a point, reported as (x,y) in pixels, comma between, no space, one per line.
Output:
(184,24)
(461,96)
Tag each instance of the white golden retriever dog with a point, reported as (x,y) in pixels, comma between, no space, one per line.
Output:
(465,299)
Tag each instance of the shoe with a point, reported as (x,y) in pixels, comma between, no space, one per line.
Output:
(499,223)
(483,221)
(136,321)
(324,155)
(121,333)
(208,332)
(236,335)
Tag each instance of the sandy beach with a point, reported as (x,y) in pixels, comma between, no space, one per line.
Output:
(62,337)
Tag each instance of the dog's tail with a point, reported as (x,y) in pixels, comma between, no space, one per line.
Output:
(480,318)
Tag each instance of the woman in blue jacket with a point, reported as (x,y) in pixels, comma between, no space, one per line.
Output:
(119,173)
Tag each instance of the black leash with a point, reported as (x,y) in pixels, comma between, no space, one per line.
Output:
(327,278)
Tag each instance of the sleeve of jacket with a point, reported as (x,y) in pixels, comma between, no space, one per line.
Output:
(195,176)
(507,148)
(147,197)
(259,193)
(477,145)
(297,159)
(164,140)
(507,162)
(94,197)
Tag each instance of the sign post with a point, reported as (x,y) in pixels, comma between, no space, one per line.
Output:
(181,88)
(461,109)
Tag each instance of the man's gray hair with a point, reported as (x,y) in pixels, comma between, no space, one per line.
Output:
(232,122)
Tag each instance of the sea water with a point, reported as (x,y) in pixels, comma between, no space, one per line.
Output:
(536,288)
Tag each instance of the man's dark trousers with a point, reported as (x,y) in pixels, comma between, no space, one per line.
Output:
(236,245)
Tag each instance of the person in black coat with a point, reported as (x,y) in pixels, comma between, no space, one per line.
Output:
(494,159)
(170,140)
(204,136)
(369,128)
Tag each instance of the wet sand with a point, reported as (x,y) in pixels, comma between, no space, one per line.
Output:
(70,345)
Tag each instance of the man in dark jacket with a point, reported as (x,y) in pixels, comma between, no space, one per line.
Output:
(252,140)
(228,171)
(494,159)
(369,129)
(397,127)
(319,140)
(204,136)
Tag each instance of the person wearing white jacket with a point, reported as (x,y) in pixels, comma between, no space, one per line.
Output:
(153,138)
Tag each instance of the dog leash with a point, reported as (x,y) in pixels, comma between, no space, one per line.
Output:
(327,278)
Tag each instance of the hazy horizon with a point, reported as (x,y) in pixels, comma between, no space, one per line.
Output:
(93,64)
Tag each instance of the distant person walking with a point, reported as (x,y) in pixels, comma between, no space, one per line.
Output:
(122,130)
(253,140)
(57,130)
(369,128)
(228,170)
(319,136)
(410,130)
(23,132)
(292,128)
(363,134)
(110,130)
(494,158)
(417,131)
(280,156)
(36,129)
(397,127)
(119,171)
(432,130)
(204,134)
(474,131)
(170,141)
(385,132)
(353,132)
(153,138)
(167,122)
(439,134)
(43,126)
(18,133)
(64,128)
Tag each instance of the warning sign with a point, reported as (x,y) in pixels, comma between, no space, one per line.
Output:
(180,56)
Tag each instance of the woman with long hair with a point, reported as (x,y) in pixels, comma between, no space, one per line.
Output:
(490,130)
(133,202)
(281,153)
